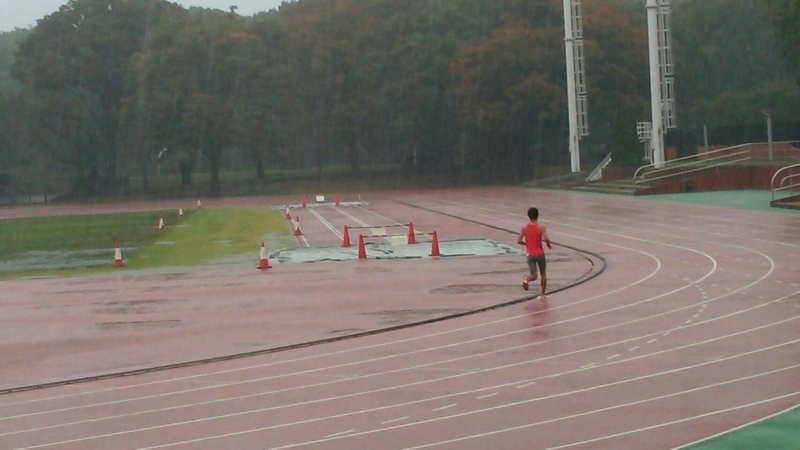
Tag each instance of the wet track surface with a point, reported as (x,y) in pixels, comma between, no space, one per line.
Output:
(689,331)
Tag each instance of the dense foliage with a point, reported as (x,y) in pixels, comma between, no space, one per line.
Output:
(475,90)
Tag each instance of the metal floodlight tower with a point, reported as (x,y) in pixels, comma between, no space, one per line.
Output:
(577,103)
(662,83)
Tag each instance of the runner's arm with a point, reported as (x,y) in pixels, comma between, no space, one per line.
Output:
(521,237)
(546,238)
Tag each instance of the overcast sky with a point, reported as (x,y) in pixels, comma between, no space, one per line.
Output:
(25,13)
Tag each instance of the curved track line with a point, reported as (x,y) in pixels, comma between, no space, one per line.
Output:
(185,391)
(611,408)
(424,350)
(592,388)
(517,364)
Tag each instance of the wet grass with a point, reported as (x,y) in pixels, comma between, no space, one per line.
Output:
(82,245)
(214,234)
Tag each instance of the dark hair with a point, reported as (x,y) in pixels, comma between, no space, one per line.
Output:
(533,213)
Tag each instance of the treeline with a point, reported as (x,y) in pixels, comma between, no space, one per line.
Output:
(103,90)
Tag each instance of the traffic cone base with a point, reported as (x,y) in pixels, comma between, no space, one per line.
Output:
(362,250)
(346,237)
(435,245)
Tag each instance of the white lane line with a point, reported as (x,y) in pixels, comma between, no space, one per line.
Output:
(339,434)
(399,419)
(440,397)
(538,399)
(526,345)
(352,217)
(612,357)
(681,308)
(444,407)
(651,341)
(596,411)
(526,385)
(675,422)
(481,397)
(633,348)
(763,419)
(386,344)
(327,224)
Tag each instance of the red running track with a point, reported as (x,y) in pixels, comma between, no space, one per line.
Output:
(690,331)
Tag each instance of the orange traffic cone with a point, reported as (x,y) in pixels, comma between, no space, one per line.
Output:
(346,237)
(412,235)
(336,199)
(180,213)
(297,231)
(118,257)
(288,214)
(435,245)
(304,201)
(160,223)
(362,250)
(263,261)
(199,204)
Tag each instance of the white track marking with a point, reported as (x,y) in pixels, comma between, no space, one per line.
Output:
(442,408)
(760,296)
(695,344)
(763,419)
(327,224)
(368,347)
(530,425)
(399,419)
(399,370)
(675,422)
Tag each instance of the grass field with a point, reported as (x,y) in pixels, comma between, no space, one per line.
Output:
(78,245)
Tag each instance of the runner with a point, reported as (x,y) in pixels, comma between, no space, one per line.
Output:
(531,236)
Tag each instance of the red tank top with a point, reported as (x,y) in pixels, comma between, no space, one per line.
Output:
(533,239)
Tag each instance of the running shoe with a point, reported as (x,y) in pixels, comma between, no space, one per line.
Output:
(525,284)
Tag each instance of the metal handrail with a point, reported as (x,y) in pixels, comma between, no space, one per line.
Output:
(597,173)
(683,172)
(783,180)
(684,158)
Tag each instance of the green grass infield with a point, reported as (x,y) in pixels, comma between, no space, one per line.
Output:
(80,245)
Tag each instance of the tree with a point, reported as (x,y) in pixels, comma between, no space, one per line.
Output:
(189,73)
(9,42)
(75,63)
(726,49)
(267,99)
(625,148)
(785,15)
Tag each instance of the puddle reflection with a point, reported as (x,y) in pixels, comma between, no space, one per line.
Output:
(539,317)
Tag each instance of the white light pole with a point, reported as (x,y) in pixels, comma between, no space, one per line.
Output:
(657,133)
(569,40)
(768,113)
